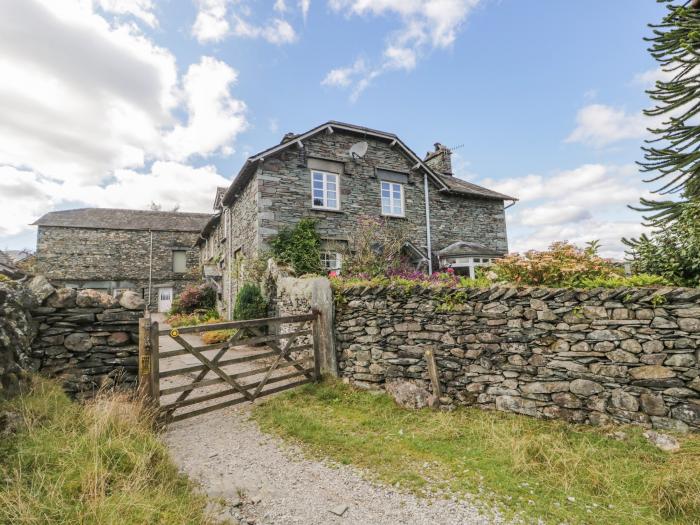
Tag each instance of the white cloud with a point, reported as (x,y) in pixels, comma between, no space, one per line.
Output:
(426,25)
(608,232)
(169,184)
(276,31)
(650,77)
(304,5)
(28,195)
(579,205)
(343,76)
(599,125)
(141,9)
(211,24)
(215,117)
(88,103)
(25,196)
(69,78)
(553,214)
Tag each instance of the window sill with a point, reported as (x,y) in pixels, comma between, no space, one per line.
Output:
(326,210)
(393,216)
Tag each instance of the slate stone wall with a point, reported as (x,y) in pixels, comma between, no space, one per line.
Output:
(87,339)
(242,242)
(16,334)
(284,189)
(585,356)
(78,256)
(481,221)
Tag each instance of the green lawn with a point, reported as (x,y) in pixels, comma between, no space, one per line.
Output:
(98,463)
(552,470)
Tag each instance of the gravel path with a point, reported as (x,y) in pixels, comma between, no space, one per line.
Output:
(266,481)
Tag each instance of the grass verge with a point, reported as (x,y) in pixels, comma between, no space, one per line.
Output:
(95,463)
(540,469)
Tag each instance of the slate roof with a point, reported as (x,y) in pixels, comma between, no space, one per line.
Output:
(208,228)
(118,219)
(449,184)
(467,188)
(467,248)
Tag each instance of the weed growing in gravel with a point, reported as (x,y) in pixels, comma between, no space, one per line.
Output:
(547,469)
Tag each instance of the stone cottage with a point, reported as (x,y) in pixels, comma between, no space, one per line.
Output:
(338,173)
(151,252)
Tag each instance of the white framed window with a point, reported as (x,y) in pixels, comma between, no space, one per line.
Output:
(392,199)
(179,261)
(325,193)
(466,265)
(331,261)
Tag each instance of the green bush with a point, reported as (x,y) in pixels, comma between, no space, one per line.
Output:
(618,281)
(197,318)
(562,265)
(299,247)
(193,298)
(249,303)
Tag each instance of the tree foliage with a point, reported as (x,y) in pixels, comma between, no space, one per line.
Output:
(672,250)
(299,247)
(672,159)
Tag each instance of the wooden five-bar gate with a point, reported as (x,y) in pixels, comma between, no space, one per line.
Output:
(192,379)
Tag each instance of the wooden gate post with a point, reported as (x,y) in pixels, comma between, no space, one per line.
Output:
(433,373)
(147,387)
(155,364)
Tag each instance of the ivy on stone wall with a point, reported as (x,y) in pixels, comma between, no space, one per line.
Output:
(299,247)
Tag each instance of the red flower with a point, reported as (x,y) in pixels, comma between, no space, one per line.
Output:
(332,274)
(450,270)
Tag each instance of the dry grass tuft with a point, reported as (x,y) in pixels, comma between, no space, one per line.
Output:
(99,462)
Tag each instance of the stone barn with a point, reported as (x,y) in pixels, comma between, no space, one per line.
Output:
(151,252)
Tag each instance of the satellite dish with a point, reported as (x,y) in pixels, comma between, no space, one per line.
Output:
(358,150)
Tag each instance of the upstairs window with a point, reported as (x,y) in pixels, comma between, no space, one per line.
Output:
(392,199)
(324,190)
(179,261)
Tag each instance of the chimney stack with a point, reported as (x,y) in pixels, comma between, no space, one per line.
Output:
(440,160)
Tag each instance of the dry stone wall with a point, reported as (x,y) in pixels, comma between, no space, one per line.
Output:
(585,356)
(87,339)
(16,335)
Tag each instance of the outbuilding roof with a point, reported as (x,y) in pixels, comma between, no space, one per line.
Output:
(467,248)
(119,219)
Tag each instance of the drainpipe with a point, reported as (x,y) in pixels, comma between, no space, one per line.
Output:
(150,270)
(427,224)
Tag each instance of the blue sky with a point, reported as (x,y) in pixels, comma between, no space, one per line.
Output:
(131,101)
